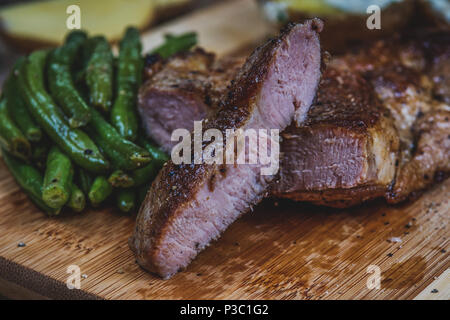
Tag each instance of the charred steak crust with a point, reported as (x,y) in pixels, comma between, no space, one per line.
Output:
(178,217)
(345,151)
(430,159)
(346,100)
(182,89)
(410,75)
(338,197)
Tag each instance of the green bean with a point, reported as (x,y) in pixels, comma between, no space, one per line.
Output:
(100,190)
(80,64)
(29,179)
(99,74)
(39,153)
(84,180)
(145,174)
(157,154)
(174,44)
(149,172)
(129,72)
(74,142)
(77,200)
(57,179)
(136,177)
(11,138)
(122,153)
(142,175)
(16,106)
(126,200)
(60,80)
(120,179)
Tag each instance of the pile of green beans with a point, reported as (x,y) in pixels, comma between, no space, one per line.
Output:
(69,128)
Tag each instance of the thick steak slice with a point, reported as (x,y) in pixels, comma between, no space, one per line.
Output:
(181,90)
(409,76)
(345,152)
(395,151)
(190,205)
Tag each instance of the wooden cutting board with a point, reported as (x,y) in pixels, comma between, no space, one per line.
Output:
(282,250)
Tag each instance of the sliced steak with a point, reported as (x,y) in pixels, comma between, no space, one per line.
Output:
(409,76)
(190,205)
(352,163)
(181,90)
(398,149)
(345,152)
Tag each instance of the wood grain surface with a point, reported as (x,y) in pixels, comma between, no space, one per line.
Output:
(284,251)
(281,250)
(222,28)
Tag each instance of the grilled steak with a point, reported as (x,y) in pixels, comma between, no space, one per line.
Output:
(345,152)
(409,76)
(182,89)
(189,205)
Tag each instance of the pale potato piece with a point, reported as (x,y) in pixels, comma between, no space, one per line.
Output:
(44,23)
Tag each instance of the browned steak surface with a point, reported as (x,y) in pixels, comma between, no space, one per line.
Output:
(189,205)
(409,76)
(395,159)
(345,152)
(181,90)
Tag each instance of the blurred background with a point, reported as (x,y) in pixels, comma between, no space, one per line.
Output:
(29,24)
(26,25)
